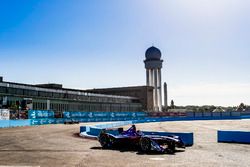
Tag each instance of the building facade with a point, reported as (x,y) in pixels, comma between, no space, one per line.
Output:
(54,97)
(144,94)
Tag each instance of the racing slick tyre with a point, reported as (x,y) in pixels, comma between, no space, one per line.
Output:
(145,144)
(105,141)
(171,148)
(120,130)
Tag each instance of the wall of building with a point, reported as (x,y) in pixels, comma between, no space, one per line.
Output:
(143,93)
(12,95)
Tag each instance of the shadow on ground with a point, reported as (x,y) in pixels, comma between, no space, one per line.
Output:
(43,150)
(138,152)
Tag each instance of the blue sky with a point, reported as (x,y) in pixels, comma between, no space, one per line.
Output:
(205,45)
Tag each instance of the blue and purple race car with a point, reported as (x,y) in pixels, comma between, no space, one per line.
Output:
(132,138)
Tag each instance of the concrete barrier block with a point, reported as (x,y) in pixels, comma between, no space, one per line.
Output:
(94,131)
(234,136)
(82,129)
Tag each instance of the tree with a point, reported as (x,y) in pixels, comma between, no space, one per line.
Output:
(172,104)
(241,107)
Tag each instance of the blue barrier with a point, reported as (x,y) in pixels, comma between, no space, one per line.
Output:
(4,123)
(226,114)
(125,116)
(14,123)
(245,117)
(34,114)
(207,114)
(234,136)
(96,114)
(47,121)
(238,114)
(44,121)
(187,138)
(216,114)
(94,131)
(149,119)
(198,114)
(82,128)
(139,119)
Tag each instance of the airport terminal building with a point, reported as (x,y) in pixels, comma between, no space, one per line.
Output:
(55,97)
(143,93)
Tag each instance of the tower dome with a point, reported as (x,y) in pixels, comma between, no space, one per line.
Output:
(153,53)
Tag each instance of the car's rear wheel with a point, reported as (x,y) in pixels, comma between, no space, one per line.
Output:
(145,144)
(171,147)
(120,130)
(105,141)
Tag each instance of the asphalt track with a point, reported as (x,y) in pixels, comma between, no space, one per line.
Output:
(59,145)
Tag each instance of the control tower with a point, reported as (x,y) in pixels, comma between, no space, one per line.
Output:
(153,65)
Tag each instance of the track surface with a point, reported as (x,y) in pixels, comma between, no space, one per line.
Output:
(57,145)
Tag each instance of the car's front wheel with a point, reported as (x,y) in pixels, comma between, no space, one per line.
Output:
(145,144)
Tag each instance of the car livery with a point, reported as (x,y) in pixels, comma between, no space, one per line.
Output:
(132,138)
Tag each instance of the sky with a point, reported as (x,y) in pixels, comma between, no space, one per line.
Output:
(86,44)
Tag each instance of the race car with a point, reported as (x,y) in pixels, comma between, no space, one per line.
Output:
(132,138)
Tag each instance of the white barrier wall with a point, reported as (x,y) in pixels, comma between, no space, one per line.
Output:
(4,114)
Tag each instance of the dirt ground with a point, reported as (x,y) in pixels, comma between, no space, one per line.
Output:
(58,145)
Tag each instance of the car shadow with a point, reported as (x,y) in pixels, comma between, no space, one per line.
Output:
(135,150)
(116,149)
(96,148)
